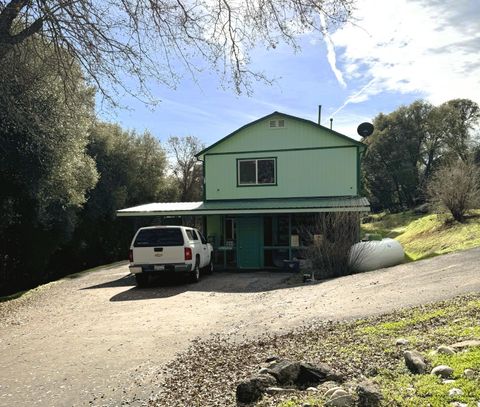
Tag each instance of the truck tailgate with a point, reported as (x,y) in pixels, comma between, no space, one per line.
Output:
(158,255)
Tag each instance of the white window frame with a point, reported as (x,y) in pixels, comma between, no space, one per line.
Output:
(256,160)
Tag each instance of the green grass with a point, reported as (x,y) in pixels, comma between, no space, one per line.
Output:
(428,235)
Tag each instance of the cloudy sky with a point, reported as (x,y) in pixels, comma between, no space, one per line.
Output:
(392,53)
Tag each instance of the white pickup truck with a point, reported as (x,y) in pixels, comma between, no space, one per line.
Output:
(163,249)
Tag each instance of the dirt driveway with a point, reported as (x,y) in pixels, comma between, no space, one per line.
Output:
(97,340)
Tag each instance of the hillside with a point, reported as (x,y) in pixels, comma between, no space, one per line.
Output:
(424,236)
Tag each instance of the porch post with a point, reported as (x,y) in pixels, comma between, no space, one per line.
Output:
(289,236)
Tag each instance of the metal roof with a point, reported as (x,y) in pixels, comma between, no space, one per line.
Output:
(250,206)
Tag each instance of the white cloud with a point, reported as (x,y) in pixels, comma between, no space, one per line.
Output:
(331,56)
(428,47)
(356,97)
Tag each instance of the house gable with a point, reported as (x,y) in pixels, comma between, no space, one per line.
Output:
(296,133)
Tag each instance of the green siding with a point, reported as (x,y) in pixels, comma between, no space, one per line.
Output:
(295,134)
(300,173)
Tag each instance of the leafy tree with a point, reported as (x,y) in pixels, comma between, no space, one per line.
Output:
(132,171)
(410,144)
(187,171)
(456,188)
(45,172)
(459,119)
(110,39)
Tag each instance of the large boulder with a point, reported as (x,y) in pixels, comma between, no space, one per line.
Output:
(415,361)
(369,394)
(285,371)
(302,374)
(251,390)
(313,375)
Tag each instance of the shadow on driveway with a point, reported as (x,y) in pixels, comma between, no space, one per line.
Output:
(223,282)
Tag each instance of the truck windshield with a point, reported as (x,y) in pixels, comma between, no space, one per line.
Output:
(159,237)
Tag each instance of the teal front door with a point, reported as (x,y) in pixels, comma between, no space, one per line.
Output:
(249,243)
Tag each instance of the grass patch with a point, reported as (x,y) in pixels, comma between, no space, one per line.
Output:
(426,236)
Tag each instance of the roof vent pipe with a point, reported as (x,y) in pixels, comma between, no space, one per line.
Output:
(331,122)
(319,114)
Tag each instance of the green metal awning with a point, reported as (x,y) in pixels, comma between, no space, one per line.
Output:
(250,206)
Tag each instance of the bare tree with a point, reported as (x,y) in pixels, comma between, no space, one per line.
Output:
(456,188)
(331,237)
(186,170)
(112,39)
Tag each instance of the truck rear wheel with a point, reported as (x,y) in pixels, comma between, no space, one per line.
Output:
(195,273)
(142,280)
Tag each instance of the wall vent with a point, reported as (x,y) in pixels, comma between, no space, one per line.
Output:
(275,124)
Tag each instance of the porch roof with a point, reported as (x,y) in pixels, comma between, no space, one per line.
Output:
(250,206)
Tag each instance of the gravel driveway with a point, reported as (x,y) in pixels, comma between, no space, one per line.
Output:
(95,339)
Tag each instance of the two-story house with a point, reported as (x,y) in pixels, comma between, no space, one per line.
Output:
(264,183)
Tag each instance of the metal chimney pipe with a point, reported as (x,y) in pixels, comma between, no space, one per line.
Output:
(319,114)
(331,122)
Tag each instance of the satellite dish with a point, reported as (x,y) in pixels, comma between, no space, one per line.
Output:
(365,129)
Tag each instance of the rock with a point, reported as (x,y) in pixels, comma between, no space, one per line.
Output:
(312,375)
(469,373)
(401,341)
(466,344)
(455,392)
(285,371)
(338,393)
(415,361)
(442,371)
(343,400)
(302,374)
(448,381)
(272,358)
(312,389)
(278,390)
(446,350)
(251,390)
(263,370)
(330,392)
(458,404)
(369,394)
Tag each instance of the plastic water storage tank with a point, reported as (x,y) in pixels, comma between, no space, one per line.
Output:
(376,254)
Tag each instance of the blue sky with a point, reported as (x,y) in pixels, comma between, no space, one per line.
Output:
(394,53)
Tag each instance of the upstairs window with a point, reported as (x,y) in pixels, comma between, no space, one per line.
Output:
(259,171)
